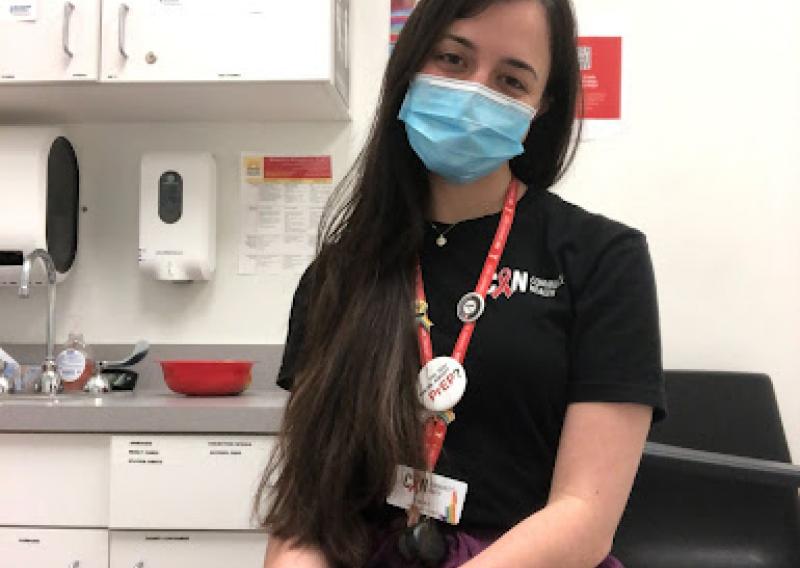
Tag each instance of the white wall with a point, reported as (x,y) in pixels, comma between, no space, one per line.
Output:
(707,166)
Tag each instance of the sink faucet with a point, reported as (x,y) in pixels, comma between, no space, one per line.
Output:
(51,381)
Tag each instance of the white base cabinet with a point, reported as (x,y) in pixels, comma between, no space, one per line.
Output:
(59,548)
(54,479)
(133,549)
(186,482)
(131,501)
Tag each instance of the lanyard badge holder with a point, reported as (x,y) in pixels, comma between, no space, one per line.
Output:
(442,382)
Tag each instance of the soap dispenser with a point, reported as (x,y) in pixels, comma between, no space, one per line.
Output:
(74,363)
(178,216)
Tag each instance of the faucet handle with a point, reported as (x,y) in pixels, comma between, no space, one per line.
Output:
(5,384)
(98,383)
(51,381)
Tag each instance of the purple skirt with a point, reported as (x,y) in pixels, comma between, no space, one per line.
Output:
(460,548)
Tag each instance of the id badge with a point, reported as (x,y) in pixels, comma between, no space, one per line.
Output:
(439,497)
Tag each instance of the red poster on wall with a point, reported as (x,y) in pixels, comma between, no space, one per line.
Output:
(601,76)
(401,10)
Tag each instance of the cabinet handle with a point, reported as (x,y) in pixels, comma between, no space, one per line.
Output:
(139,564)
(69,8)
(75,564)
(122,19)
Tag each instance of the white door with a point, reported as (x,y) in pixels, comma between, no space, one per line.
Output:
(199,40)
(189,549)
(49,40)
(59,548)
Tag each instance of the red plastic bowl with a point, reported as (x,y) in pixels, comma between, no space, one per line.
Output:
(207,378)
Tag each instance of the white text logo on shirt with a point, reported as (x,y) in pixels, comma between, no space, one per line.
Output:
(508,281)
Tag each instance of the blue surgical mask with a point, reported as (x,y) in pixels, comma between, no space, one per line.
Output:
(461,130)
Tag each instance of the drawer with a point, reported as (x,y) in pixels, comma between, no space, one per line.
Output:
(186,482)
(62,548)
(54,479)
(168,549)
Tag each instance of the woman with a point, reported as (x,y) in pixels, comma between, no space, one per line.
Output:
(559,340)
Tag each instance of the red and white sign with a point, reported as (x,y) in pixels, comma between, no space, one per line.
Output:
(308,168)
(601,76)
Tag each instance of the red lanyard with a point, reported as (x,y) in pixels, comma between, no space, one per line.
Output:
(485,280)
(436,426)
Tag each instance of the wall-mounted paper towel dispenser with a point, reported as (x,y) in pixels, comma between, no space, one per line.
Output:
(39,200)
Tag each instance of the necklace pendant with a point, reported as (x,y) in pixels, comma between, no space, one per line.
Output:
(441,240)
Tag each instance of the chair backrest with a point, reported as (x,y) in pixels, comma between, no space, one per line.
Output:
(725,412)
(677,519)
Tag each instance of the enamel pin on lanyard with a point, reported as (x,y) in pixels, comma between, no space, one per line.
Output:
(442,382)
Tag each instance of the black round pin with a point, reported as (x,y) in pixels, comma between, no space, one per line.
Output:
(470,307)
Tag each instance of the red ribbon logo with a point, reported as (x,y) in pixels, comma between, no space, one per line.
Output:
(503,281)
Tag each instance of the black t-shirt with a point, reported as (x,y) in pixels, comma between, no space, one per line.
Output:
(576,321)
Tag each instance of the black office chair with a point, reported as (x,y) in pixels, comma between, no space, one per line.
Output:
(716,488)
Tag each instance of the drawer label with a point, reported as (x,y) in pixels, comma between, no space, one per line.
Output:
(143,452)
(184,450)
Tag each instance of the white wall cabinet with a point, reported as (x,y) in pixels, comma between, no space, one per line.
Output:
(53,40)
(196,549)
(178,60)
(197,40)
(54,479)
(57,548)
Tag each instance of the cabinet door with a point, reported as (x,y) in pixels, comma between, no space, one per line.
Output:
(149,40)
(198,40)
(49,40)
(54,479)
(186,482)
(59,548)
(198,550)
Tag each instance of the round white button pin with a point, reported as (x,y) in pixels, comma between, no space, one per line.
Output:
(442,383)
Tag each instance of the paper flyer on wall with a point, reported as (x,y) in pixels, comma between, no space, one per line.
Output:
(602,46)
(281,201)
(601,77)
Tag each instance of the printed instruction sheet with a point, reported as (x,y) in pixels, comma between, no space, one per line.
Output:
(281,200)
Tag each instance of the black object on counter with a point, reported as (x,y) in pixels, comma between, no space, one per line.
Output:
(121,379)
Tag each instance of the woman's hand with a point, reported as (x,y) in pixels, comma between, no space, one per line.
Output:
(283,554)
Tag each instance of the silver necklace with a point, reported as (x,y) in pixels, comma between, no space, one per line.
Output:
(441,240)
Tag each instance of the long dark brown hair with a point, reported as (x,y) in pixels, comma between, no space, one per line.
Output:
(353,414)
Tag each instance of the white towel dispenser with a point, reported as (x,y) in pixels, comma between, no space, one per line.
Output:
(39,200)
